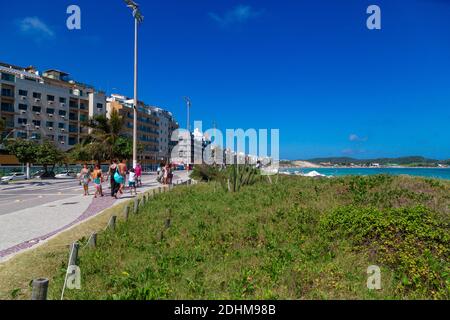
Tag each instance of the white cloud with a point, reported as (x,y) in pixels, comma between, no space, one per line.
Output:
(239,14)
(356,138)
(35,27)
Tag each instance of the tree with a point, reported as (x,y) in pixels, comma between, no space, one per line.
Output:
(102,140)
(47,154)
(24,150)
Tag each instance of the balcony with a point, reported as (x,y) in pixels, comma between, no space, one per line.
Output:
(7,107)
(8,77)
(7,93)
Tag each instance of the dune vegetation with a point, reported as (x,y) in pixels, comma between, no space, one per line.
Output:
(291,238)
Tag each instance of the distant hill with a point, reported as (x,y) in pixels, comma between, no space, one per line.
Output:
(404,161)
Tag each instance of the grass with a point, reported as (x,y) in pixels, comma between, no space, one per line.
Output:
(46,260)
(299,238)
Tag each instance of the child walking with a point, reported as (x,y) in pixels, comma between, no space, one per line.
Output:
(97,178)
(132,181)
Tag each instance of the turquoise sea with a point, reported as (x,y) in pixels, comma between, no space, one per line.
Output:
(439,173)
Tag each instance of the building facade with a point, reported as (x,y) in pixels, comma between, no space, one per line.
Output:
(168,125)
(50,106)
(147,131)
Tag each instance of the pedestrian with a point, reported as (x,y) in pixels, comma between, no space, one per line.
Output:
(132,179)
(160,174)
(166,174)
(85,178)
(170,174)
(98,179)
(122,170)
(113,168)
(138,171)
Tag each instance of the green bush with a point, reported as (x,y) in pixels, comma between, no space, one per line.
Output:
(409,240)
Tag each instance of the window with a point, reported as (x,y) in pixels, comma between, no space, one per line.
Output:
(7,107)
(37,123)
(22,121)
(35,136)
(73,129)
(23,107)
(99,105)
(37,95)
(62,100)
(37,109)
(51,137)
(22,135)
(73,116)
(50,98)
(50,111)
(23,93)
(7,93)
(61,125)
(49,124)
(72,141)
(62,113)
(8,77)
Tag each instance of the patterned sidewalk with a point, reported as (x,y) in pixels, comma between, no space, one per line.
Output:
(96,206)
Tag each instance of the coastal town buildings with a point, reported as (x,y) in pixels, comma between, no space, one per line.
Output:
(48,106)
(155,127)
(52,106)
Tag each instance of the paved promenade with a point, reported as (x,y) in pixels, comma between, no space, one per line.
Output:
(31,213)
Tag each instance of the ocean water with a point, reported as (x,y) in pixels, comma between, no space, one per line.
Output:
(439,173)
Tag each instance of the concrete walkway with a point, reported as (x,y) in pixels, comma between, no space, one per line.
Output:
(24,229)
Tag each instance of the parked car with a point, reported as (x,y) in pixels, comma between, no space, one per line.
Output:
(45,175)
(66,175)
(14,177)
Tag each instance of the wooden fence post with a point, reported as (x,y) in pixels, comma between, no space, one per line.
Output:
(136,205)
(93,240)
(112,223)
(126,212)
(40,289)
(73,256)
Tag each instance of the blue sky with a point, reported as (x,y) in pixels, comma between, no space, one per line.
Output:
(309,68)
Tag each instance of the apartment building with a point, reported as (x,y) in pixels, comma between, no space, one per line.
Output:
(167,126)
(147,130)
(49,106)
(155,128)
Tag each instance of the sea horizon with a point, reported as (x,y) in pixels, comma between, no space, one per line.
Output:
(425,172)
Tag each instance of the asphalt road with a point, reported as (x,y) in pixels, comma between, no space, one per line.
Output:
(23,195)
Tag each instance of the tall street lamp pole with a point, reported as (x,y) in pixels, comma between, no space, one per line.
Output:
(188,127)
(138,18)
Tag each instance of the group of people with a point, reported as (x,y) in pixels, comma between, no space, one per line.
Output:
(117,176)
(165,174)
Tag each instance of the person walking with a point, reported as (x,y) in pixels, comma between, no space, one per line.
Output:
(85,178)
(166,174)
(132,180)
(98,179)
(113,169)
(122,170)
(138,171)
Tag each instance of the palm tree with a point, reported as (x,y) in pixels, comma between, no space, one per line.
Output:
(105,132)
